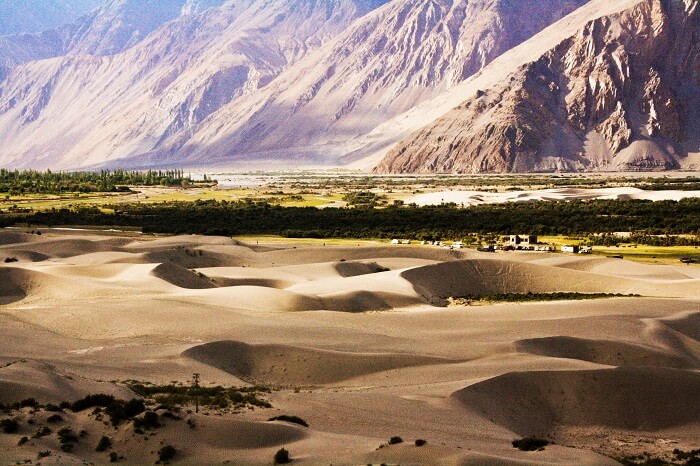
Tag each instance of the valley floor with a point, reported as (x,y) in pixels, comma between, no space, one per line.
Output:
(357,341)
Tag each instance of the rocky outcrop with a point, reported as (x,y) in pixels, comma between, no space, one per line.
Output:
(622,94)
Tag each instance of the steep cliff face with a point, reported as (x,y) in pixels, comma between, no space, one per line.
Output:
(89,108)
(622,94)
(398,56)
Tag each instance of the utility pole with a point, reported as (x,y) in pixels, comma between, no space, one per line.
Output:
(195,384)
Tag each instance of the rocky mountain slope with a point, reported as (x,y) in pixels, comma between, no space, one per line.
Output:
(79,110)
(622,93)
(251,80)
(396,57)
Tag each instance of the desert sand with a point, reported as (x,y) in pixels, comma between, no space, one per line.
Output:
(357,341)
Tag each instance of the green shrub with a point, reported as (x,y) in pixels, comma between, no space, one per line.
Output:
(282,457)
(54,418)
(43,432)
(91,401)
(9,426)
(395,440)
(66,435)
(167,453)
(292,419)
(29,403)
(148,421)
(530,444)
(420,442)
(104,443)
(67,447)
(113,457)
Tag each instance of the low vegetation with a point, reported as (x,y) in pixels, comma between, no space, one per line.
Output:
(212,397)
(395,440)
(530,444)
(117,410)
(9,426)
(282,457)
(167,453)
(470,300)
(104,444)
(422,223)
(15,182)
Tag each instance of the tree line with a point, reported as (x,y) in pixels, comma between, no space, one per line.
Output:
(573,218)
(15,182)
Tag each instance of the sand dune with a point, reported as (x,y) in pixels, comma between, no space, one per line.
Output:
(239,434)
(181,277)
(687,324)
(291,366)
(29,379)
(337,254)
(616,267)
(535,403)
(488,276)
(374,354)
(15,237)
(23,255)
(610,353)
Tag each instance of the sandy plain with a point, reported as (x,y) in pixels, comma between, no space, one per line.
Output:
(358,342)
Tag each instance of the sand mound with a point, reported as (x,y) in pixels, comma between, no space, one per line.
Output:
(687,324)
(366,301)
(615,267)
(63,248)
(15,237)
(187,258)
(535,403)
(292,365)
(23,255)
(247,276)
(610,353)
(360,253)
(15,284)
(29,379)
(184,241)
(353,269)
(225,434)
(256,282)
(182,277)
(488,276)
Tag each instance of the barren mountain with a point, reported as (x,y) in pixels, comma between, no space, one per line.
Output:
(242,80)
(396,57)
(80,110)
(622,93)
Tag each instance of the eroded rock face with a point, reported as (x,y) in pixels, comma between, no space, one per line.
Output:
(620,95)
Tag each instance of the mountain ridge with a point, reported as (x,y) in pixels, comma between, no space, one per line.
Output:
(613,97)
